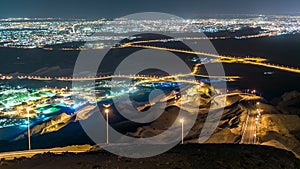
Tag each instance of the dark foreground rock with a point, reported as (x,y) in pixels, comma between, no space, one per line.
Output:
(219,156)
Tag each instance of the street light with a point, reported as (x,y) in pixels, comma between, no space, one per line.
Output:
(258,106)
(28,128)
(257,118)
(106,105)
(106,112)
(181,121)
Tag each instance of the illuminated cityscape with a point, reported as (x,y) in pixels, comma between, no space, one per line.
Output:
(40,32)
(56,107)
(105,85)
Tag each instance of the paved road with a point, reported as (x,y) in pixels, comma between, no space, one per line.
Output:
(249,131)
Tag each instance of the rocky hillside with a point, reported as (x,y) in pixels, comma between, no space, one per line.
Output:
(184,156)
(278,126)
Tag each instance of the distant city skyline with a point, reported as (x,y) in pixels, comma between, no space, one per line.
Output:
(118,8)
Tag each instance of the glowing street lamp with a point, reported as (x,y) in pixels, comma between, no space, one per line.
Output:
(256,123)
(258,106)
(106,105)
(28,128)
(106,112)
(181,121)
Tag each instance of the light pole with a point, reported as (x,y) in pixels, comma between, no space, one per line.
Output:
(181,121)
(106,112)
(28,128)
(256,123)
(258,103)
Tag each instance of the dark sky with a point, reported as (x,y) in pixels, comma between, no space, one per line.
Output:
(118,8)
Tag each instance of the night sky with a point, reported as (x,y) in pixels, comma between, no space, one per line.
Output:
(118,8)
